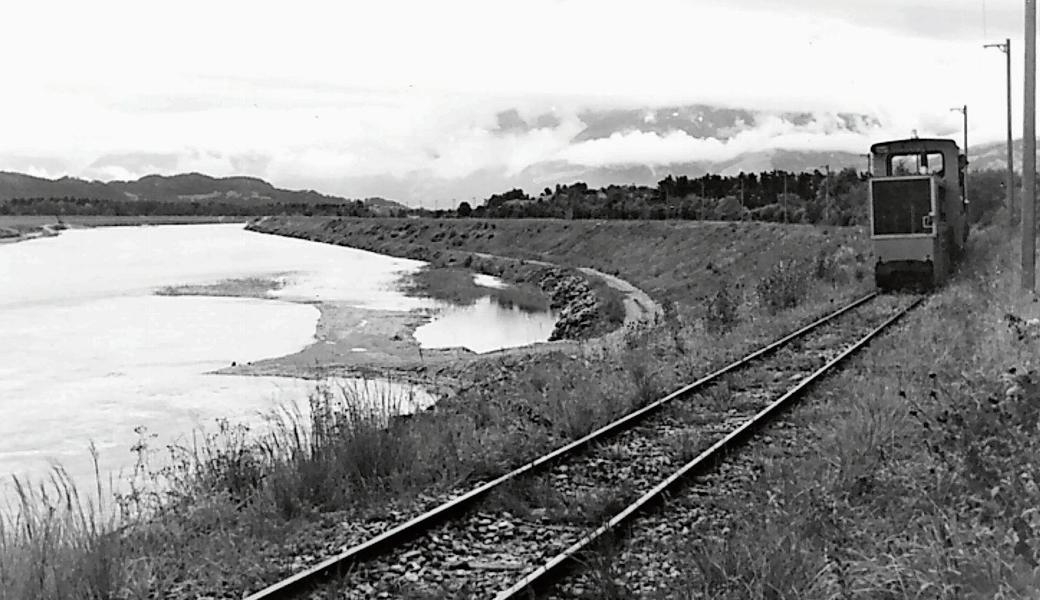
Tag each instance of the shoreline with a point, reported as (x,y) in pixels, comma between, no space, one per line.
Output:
(589,307)
(358,342)
(12,235)
(391,349)
(348,339)
(351,341)
(21,228)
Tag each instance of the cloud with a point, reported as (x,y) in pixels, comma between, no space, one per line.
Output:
(827,132)
(325,91)
(37,166)
(134,162)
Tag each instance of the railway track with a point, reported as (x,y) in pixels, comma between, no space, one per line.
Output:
(519,533)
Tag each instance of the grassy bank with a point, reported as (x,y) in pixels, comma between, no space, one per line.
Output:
(680,262)
(915,473)
(242,510)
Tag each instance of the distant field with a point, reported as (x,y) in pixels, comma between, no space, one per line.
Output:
(32,221)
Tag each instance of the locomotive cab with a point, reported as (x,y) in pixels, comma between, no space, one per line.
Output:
(918,212)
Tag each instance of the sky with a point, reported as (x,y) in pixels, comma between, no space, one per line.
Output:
(319,95)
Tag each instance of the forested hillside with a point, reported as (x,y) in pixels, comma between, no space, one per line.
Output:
(186,194)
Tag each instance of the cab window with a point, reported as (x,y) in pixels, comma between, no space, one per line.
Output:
(918,163)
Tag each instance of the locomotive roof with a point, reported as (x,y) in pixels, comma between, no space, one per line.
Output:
(912,144)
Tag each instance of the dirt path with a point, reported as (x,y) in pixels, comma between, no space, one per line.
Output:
(639,306)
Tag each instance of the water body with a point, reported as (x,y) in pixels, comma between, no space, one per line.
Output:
(512,327)
(88,351)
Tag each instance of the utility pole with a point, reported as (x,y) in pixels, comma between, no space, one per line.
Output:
(827,190)
(964,111)
(785,196)
(827,193)
(1029,156)
(1006,49)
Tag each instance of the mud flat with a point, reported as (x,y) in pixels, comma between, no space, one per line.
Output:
(351,341)
(357,341)
(348,339)
(246,287)
(589,306)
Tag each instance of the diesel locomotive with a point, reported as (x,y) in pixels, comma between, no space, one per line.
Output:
(918,211)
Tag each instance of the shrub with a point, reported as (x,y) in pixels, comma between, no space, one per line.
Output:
(722,311)
(674,323)
(785,286)
(639,371)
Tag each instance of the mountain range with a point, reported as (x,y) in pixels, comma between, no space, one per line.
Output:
(188,187)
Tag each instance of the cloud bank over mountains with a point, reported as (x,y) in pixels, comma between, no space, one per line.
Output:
(459,98)
(465,159)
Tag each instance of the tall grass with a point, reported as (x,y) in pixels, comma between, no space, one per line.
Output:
(153,536)
(345,448)
(722,310)
(917,478)
(54,543)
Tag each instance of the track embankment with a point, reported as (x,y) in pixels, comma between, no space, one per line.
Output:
(672,261)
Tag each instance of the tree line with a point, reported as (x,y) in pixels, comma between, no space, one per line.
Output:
(107,207)
(836,198)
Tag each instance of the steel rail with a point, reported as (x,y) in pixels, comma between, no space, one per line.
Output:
(414,527)
(557,566)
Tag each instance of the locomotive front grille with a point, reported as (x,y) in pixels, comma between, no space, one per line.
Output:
(901,206)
